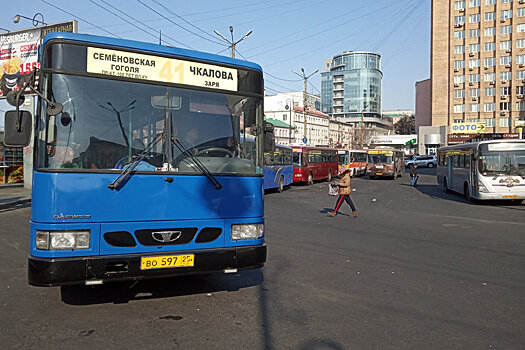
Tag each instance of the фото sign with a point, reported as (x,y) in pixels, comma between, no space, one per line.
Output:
(19,52)
(467,128)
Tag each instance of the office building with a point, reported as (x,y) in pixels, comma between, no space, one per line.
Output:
(478,63)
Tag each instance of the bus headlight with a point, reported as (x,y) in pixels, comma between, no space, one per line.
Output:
(482,187)
(55,240)
(247,231)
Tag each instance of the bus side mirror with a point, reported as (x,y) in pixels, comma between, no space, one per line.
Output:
(17,128)
(269,141)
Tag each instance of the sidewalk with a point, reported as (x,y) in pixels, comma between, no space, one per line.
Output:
(12,195)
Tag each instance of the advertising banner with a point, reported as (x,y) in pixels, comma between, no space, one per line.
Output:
(19,51)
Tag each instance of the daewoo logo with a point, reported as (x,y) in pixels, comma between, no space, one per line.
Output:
(509,181)
(65,217)
(166,236)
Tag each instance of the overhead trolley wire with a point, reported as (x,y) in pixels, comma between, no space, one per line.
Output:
(191,24)
(178,25)
(77,17)
(133,18)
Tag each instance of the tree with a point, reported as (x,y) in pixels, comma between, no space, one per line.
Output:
(405,126)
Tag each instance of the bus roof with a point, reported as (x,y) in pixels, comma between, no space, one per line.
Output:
(472,145)
(149,47)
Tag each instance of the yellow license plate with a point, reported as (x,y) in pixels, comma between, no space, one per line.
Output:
(379,173)
(167,261)
(513,196)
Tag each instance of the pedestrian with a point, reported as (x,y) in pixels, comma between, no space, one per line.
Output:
(413,175)
(344,192)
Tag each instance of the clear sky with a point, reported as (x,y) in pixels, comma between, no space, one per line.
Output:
(287,34)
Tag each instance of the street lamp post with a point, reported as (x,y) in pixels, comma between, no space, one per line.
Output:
(362,116)
(36,22)
(233,43)
(289,108)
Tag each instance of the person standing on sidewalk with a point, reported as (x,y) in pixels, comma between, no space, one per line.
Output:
(413,175)
(344,193)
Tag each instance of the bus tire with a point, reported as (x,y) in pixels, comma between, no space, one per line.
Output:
(310,180)
(329,174)
(280,188)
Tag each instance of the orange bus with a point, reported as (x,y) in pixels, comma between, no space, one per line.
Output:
(353,159)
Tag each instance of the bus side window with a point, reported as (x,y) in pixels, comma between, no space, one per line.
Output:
(467,161)
(455,161)
(461,161)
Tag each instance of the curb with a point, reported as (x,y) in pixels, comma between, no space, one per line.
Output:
(14,203)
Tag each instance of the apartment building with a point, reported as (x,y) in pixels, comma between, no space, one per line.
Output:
(478,63)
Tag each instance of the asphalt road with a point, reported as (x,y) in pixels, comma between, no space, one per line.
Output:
(418,269)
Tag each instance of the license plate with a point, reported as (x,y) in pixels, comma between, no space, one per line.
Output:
(379,167)
(509,196)
(379,173)
(167,261)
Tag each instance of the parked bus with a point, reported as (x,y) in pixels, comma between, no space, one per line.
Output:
(355,160)
(314,163)
(278,168)
(140,166)
(484,170)
(385,162)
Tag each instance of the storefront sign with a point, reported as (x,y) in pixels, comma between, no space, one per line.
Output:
(455,139)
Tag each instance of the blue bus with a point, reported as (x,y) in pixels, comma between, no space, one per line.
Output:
(278,168)
(140,168)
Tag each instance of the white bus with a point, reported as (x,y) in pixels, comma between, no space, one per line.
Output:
(484,170)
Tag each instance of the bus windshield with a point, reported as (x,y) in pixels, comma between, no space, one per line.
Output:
(343,158)
(502,159)
(297,163)
(106,124)
(379,159)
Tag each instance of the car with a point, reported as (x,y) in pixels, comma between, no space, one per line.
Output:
(429,161)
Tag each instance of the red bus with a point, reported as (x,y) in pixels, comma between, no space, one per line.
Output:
(314,163)
(385,162)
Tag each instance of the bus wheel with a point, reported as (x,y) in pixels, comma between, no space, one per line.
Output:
(310,179)
(330,175)
(281,185)
(445,185)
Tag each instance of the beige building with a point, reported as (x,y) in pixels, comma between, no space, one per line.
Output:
(478,63)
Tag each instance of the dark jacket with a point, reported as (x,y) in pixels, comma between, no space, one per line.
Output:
(413,171)
(344,184)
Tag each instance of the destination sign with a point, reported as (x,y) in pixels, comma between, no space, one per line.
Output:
(387,153)
(154,68)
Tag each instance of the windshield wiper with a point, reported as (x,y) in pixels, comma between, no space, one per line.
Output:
(127,170)
(183,149)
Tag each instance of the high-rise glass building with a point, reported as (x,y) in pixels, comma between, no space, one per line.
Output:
(351,83)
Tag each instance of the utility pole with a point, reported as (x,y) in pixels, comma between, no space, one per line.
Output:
(305,104)
(363,116)
(233,43)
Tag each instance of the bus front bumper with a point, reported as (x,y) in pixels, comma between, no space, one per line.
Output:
(46,272)
(500,195)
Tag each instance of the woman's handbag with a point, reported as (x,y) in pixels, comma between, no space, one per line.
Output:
(333,189)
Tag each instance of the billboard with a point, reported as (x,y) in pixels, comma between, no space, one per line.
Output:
(455,139)
(19,52)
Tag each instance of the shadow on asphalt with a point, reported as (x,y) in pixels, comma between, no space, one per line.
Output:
(124,292)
